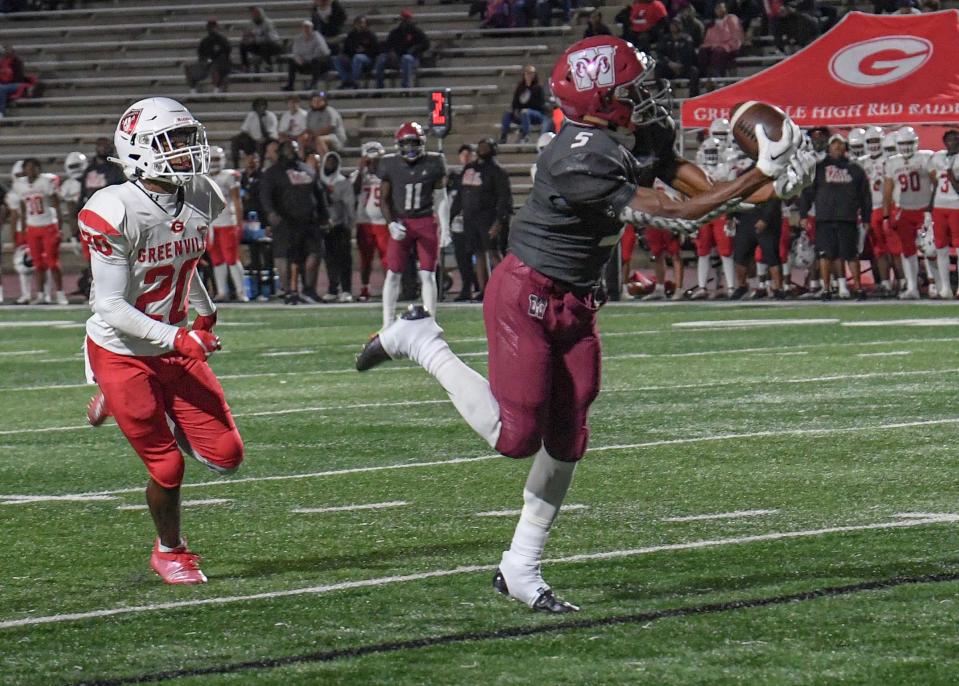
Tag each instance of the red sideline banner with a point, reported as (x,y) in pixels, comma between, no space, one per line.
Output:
(869,69)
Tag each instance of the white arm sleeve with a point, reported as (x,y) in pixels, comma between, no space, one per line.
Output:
(200,299)
(441,202)
(110,303)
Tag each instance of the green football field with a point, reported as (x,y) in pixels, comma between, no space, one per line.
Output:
(771,497)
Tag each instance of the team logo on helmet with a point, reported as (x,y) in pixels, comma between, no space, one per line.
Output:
(593,67)
(879,61)
(129,121)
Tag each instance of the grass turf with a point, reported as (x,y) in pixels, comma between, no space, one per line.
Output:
(823,424)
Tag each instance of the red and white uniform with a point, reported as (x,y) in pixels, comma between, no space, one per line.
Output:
(372,234)
(224,244)
(70,190)
(912,191)
(40,217)
(945,203)
(713,234)
(875,168)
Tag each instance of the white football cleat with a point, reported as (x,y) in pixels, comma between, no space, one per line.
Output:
(655,295)
(699,293)
(62,298)
(909,295)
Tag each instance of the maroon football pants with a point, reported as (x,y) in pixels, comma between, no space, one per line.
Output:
(544,361)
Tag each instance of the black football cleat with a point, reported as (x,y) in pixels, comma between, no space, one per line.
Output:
(414,312)
(546,602)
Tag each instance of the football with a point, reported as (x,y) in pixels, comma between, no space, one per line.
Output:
(744,118)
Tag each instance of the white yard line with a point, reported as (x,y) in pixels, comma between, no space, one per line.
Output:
(185,503)
(574,507)
(349,508)
(471,569)
(34,324)
(932,321)
(23,499)
(749,323)
(22,353)
(891,353)
(720,515)
(288,353)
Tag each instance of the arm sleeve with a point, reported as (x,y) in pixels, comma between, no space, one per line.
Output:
(199,298)
(111,281)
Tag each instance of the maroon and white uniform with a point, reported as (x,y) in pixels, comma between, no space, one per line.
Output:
(411,197)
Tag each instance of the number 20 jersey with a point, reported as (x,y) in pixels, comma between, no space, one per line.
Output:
(411,185)
(124,226)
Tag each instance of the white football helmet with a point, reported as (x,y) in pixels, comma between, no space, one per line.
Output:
(21,260)
(16,171)
(158,139)
(857,142)
(544,140)
(719,129)
(217,159)
(803,252)
(873,141)
(889,143)
(371,150)
(74,165)
(711,147)
(907,141)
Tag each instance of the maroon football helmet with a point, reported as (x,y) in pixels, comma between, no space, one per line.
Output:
(606,79)
(410,141)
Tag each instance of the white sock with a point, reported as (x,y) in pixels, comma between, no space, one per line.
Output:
(659,288)
(26,285)
(910,267)
(1,295)
(543,495)
(428,291)
(729,272)
(391,294)
(887,284)
(843,285)
(236,275)
(702,271)
(219,276)
(163,549)
(815,284)
(787,268)
(761,270)
(942,266)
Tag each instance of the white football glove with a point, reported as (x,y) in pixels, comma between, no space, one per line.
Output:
(397,231)
(801,172)
(445,237)
(775,156)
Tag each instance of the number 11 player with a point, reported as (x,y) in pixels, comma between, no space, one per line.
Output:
(146,237)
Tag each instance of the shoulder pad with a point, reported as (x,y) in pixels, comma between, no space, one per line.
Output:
(104,212)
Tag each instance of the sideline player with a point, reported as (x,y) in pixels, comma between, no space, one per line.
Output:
(541,307)
(945,207)
(413,190)
(39,213)
(713,235)
(224,244)
(880,240)
(372,236)
(146,237)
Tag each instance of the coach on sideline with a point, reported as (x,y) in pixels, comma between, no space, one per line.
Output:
(842,198)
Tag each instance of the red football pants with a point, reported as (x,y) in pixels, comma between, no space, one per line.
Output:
(371,239)
(43,242)
(421,232)
(877,235)
(713,235)
(661,241)
(141,392)
(945,227)
(544,361)
(225,247)
(906,225)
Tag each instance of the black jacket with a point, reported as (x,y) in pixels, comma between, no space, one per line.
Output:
(680,49)
(840,192)
(214,47)
(528,98)
(332,25)
(363,42)
(485,196)
(294,193)
(407,38)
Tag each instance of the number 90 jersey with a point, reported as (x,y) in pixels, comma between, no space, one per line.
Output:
(124,226)
(912,188)
(411,185)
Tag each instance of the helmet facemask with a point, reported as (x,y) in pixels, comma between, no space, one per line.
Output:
(179,153)
(906,148)
(411,147)
(651,99)
(874,147)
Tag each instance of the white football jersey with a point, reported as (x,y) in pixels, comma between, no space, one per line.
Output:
(70,190)
(875,168)
(912,188)
(368,206)
(946,196)
(124,226)
(37,196)
(227,180)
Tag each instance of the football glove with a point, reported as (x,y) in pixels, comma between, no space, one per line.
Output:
(197,345)
(204,322)
(775,156)
(445,237)
(397,231)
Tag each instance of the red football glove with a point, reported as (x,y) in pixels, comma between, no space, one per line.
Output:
(197,345)
(204,322)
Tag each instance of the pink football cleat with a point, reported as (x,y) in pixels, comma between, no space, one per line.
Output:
(178,567)
(97,411)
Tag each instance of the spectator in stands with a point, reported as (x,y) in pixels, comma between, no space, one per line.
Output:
(360,48)
(676,57)
(261,40)
(324,125)
(527,108)
(793,29)
(498,14)
(213,60)
(595,25)
(825,15)
(906,7)
(293,121)
(13,77)
(259,127)
(328,17)
(641,22)
(405,45)
(250,185)
(721,44)
(310,55)
(691,24)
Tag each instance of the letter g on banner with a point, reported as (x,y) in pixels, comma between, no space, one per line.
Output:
(879,61)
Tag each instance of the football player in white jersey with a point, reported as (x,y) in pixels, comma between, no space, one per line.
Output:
(719,130)
(38,198)
(906,197)
(224,244)
(146,237)
(857,142)
(713,234)
(874,164)
(11,212)
(945,207)
(372,234)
